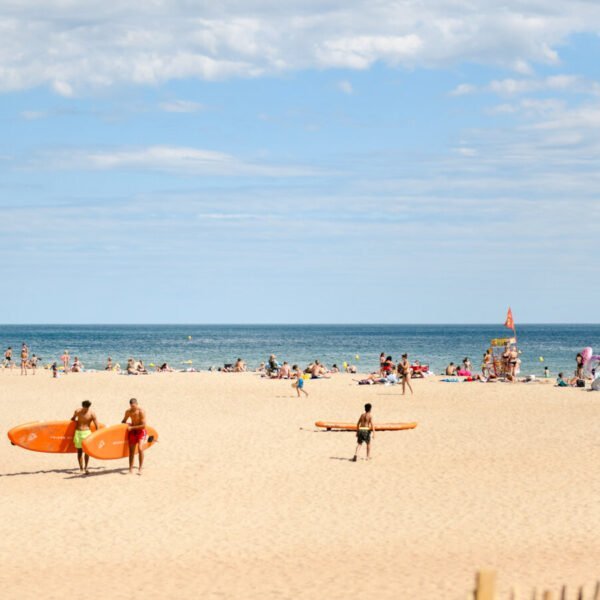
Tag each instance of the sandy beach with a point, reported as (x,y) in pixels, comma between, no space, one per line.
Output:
(244,498)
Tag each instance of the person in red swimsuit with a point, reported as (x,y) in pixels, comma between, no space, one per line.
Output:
(136,435)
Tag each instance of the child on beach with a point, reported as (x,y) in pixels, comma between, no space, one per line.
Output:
(299,383)
(364,432)
(54,368)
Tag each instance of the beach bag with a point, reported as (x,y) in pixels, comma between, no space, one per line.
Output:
(580,383)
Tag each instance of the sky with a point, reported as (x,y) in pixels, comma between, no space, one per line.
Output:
(266,161)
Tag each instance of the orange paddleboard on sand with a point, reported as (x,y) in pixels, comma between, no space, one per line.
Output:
(45,436)
(111,442)
(352,426)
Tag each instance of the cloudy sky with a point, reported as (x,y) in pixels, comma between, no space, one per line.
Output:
(283,161)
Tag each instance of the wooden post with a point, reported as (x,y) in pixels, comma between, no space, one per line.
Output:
(597,591)
(547,595)
(485,585)
(580,595)
(563,592)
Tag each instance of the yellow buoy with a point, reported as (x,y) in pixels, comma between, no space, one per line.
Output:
(541,359)
(357,357)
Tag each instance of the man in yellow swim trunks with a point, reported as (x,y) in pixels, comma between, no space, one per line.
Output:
(84,417)
(365,431)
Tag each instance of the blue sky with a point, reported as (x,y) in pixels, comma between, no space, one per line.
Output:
(293,162)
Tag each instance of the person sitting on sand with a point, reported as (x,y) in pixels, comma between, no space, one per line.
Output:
(140,368)
(109,364)
(560,382)
(351,369)
(240,366)
(131,367)
(272,366)
(77,366)
(299,383)
(318,371)
(260,368)
(334,369)
(365,431)
(164,368)
(451,369)
(83,416)
(285,372)
(136,434)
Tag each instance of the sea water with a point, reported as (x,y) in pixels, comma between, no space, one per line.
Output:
(554,346)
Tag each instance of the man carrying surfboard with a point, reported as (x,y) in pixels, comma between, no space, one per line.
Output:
(365,431)
(84,417)
(136,435)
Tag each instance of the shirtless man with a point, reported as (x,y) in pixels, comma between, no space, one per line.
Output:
(8,358)
(137,432)
(404,370)
(24,358)
(83,416)
(364,432)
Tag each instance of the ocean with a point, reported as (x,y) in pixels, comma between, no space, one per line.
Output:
(554,346)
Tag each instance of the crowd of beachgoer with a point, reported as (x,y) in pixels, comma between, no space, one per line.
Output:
(504,367)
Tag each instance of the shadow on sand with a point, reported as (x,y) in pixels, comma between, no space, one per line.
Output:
(99,471)
(44,472)
(343,458)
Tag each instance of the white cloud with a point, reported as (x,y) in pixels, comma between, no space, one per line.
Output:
(33,115)
(463,89)
(181,106)
(74,47)
(176,159)
(346,87)
(514,87)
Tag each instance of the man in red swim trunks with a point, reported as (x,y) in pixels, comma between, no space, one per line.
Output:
(137,432)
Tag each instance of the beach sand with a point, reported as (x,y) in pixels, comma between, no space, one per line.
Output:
(243,498)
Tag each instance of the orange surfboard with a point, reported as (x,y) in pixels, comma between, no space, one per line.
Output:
(111,442)
(352,426)
(45,436)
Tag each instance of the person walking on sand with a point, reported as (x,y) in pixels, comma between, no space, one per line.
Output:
(136,435)
(404,370)
(24,358)
(299,383)
(8,361)
(365,431)
(83,416)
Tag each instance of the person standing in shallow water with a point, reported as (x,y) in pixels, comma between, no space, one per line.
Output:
(136,435)
(365,431)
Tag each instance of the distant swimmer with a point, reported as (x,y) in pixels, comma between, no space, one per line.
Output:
(83,416)
(365,432)
(136,435)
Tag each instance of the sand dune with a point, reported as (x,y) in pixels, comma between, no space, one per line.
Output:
(243,498)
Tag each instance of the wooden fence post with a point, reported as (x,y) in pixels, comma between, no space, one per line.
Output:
(485,585)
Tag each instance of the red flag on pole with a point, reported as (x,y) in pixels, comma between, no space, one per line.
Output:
(509,320)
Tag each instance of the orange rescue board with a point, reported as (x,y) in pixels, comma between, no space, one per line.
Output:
(111,443)
(352,426)
(45,436)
